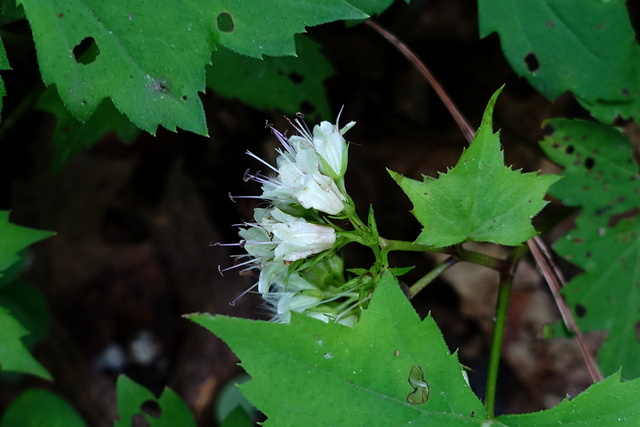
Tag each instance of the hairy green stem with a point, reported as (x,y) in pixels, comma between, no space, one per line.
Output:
(504,289)
(430,276)
(401,245)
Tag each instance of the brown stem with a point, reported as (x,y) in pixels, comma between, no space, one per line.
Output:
(556,281)
(464,126)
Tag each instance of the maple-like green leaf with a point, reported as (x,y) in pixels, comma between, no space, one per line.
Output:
(14,238)
(607,403)
(14,356)
(27,305)
(38,407)
(72,135)
(255,27)
(363,374)
(480,199)
(603,178)
(149,57)
(583,46)
(133,399)
(289,83)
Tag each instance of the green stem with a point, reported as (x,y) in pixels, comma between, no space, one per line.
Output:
(430,276)
(401,245)
(504,289)
(458,251)
(481,259)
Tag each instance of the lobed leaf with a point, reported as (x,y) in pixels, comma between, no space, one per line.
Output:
(148,57)
(134,400)
(362,374)
(609,402)
(14,238)
(255,27)
(480,199)
(583,46)
(14,356)
(72,135)
(38,407)
(603,178)
(291,84)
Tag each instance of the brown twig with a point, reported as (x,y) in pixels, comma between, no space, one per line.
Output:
(556,281)
(464,126)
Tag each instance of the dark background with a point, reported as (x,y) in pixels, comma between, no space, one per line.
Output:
(134,222)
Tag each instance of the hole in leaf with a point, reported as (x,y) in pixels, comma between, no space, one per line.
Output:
(569,149)
(548,130)
(225,23)
(86,51)
(184,97)
(532,62)
(589,163)
(296,78)
(151,408)
(581,311)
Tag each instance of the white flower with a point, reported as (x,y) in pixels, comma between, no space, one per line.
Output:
(329,143)
(300,176)
(295,237)
(312,293)
(307,169)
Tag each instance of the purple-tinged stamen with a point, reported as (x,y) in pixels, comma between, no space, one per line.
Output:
(233,267)
(233,303)
(301,126)
(261,161)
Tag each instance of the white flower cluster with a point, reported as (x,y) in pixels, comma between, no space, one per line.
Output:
(277,239)
(302,295)
(309,174)
(310,170)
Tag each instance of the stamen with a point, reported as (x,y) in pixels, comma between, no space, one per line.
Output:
(232,197)
(233,303)
(236,266)
(240,244)
(261,161)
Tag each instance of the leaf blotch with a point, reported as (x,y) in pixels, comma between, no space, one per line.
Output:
(225,23)
(532,62)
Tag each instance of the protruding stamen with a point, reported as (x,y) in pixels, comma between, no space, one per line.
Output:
(242,264)
(233,303)
(261,161)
